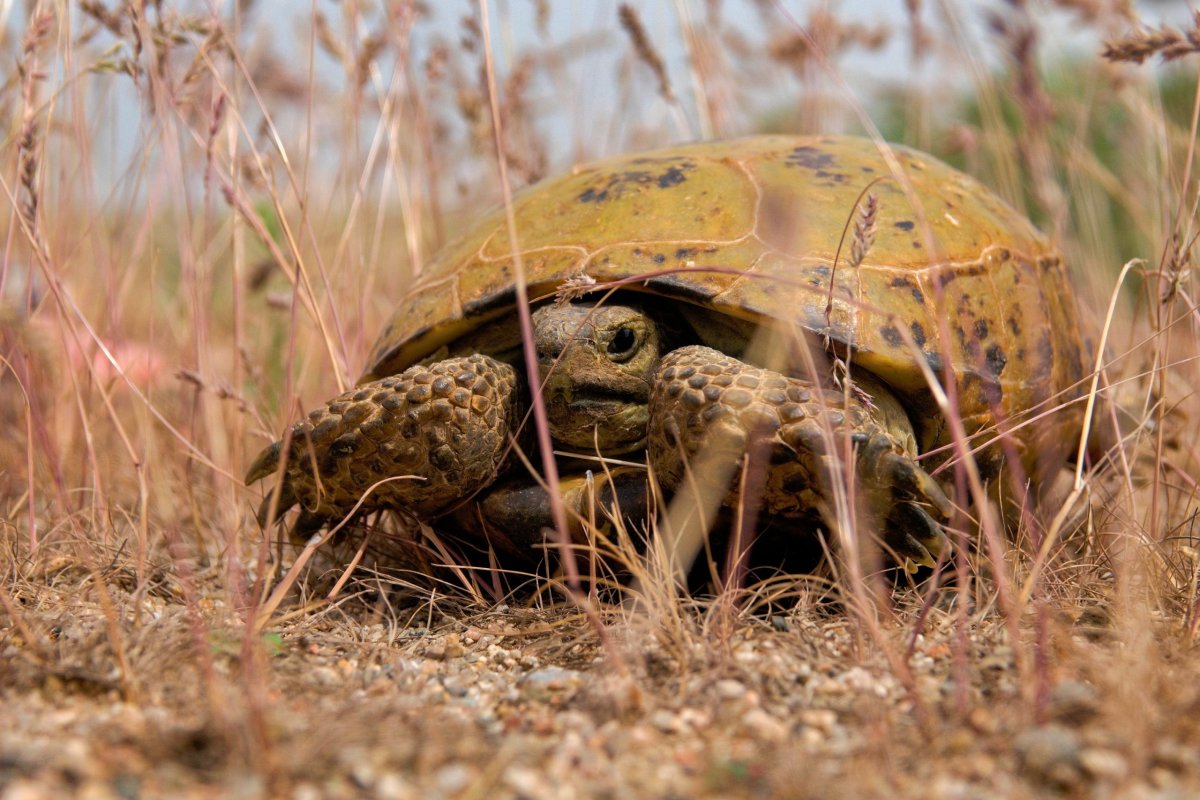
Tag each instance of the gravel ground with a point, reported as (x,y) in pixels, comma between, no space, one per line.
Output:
(534,703)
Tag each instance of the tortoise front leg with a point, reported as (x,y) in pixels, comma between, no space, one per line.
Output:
(703,398)
(442,429)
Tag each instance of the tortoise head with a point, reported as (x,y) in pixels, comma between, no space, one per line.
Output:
(597,363)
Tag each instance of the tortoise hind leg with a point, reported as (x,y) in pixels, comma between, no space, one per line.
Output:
(704,399)
(439,431)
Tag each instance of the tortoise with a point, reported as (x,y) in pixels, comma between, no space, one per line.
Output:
(703,252)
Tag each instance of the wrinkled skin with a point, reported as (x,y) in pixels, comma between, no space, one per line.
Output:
(609,387)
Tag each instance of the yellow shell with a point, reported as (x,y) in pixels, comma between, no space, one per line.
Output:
(750,228)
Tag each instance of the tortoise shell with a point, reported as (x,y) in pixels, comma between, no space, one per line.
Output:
(751,228)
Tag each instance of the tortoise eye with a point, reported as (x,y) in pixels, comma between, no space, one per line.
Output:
(622,343)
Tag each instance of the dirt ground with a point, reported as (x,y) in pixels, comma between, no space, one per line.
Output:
(397,695)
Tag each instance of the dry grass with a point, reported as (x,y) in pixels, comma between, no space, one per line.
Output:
(205,220)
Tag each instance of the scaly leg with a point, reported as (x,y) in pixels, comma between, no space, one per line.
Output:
(703,398)
(444,426)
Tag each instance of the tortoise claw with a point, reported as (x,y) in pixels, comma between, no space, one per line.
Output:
(265,463)
(909,480)
(916,538)
(912,532)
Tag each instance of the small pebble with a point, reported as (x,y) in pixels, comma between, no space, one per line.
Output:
(551,684)
(665,721)
(1073,703)
(1104,764)
(326,677)
(729,689)
(821,719)
(452,778)
(763,726)
(1050,754)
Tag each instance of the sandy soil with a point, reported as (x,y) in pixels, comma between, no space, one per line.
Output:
(401,696)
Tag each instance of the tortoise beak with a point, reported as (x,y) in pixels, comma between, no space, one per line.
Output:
(587,402)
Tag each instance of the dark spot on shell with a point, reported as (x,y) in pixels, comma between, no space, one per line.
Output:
(996,359)
(659,258)
(868,169)
(918,333)
(810,157)
(905,282)
(1014,326)
(615,185)
(905,225)
(981,328)
(970,346)
(685,252)
(1045,348)
(672,177)
(891,335)
(992,391)
(934,360)
(983,386)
